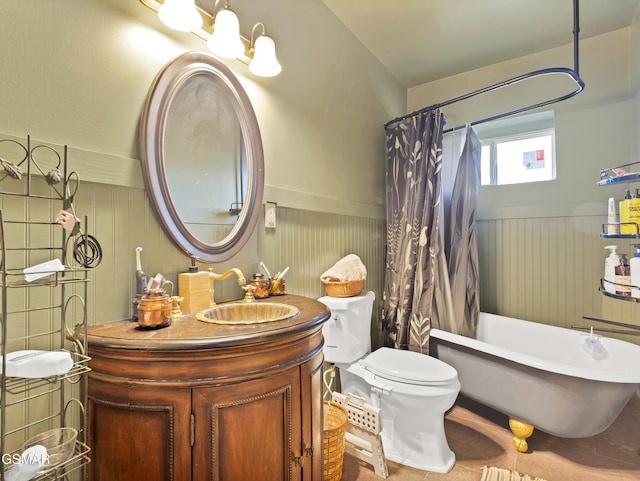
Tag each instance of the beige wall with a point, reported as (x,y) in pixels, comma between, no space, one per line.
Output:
(77,72)
(541,257)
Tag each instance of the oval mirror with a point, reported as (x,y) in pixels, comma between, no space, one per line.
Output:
(202,158)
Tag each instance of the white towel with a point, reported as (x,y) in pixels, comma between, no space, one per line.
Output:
(349,268)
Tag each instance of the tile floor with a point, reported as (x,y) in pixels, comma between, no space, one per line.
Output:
(480,437)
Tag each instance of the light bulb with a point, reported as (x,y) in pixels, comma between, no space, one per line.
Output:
(180,15)
(225,40)
(264,63)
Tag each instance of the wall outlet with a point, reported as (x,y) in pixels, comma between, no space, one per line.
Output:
(270,215)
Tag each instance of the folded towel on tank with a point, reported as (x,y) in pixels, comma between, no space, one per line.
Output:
(349,268)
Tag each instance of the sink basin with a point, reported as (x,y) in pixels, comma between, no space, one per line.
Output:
(247,313)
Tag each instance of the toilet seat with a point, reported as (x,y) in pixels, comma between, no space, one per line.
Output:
(409,367)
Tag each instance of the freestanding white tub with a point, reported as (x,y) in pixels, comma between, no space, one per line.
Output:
(541,375)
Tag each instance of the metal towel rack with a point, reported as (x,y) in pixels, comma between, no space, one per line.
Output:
(573,74)
(629,329)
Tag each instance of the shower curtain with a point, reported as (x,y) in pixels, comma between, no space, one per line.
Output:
(456,305)
(424,275)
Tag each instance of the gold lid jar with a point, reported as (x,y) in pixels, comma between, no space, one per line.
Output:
(154,310)
(261,286)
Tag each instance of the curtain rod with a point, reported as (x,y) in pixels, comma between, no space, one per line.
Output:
(571,73)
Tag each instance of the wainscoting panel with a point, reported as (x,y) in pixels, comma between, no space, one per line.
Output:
(309,243)
(544,269)
(121,219)
(548,270)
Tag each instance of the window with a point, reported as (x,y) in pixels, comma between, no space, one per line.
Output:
(518,150)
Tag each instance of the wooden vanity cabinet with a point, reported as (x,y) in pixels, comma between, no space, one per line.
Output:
(197,401)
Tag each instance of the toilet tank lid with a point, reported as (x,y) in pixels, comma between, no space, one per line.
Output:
(409,367)
(344,303)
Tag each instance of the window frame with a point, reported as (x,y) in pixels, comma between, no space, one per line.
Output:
(523,127)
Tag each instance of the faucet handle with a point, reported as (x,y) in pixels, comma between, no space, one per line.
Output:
(249,289)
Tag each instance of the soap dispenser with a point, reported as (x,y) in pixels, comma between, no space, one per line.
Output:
(610,263)
(194,287)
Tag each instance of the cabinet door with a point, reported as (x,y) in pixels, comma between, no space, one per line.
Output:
(312,421)
(139,433)
(249,431)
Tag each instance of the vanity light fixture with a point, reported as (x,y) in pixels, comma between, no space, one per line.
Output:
(264,63)
(225,39)
(221,31)
(180,15)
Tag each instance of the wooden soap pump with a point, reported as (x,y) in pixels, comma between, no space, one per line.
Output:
(195,288)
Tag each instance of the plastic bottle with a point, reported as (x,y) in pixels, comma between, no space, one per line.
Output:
(634,263)
(634,212)
(624,214)
(30,462)
(612,220)
(623,277)
(610,263)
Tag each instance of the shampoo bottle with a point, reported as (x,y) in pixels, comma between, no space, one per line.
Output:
(624,214)
(195,288)
(634,212)
(623,277)
(634,263)
(610,263)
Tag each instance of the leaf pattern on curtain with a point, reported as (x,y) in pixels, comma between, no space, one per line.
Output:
(413,166)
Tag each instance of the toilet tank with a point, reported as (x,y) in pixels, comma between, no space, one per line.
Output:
(347,334)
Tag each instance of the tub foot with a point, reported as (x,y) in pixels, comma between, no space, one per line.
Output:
(522,431)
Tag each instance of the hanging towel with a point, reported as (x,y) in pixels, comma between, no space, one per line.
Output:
(349,268)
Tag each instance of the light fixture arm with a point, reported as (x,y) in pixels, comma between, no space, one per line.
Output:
(253,30)
(214,11)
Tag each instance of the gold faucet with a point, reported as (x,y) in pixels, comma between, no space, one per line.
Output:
(219,277)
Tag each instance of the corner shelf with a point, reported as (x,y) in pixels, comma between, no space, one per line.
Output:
(616,296)
(619,174)
(47,314)
(623,179)
(615,176)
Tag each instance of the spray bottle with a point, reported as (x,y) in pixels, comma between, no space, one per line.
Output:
(610,263)
(635,272)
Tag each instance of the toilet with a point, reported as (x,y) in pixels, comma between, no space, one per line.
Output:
(413,391)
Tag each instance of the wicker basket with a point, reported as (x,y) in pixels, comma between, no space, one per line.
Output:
(344,289)
(335,424)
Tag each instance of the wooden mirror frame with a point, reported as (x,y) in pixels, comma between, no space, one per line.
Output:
(152,134)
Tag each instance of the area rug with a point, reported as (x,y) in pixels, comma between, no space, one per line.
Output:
(497,474)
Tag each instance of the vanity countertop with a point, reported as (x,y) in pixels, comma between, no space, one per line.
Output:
(189,333)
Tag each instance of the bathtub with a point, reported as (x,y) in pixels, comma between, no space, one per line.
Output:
(541,375)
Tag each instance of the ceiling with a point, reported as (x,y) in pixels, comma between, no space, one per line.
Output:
(424,40)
